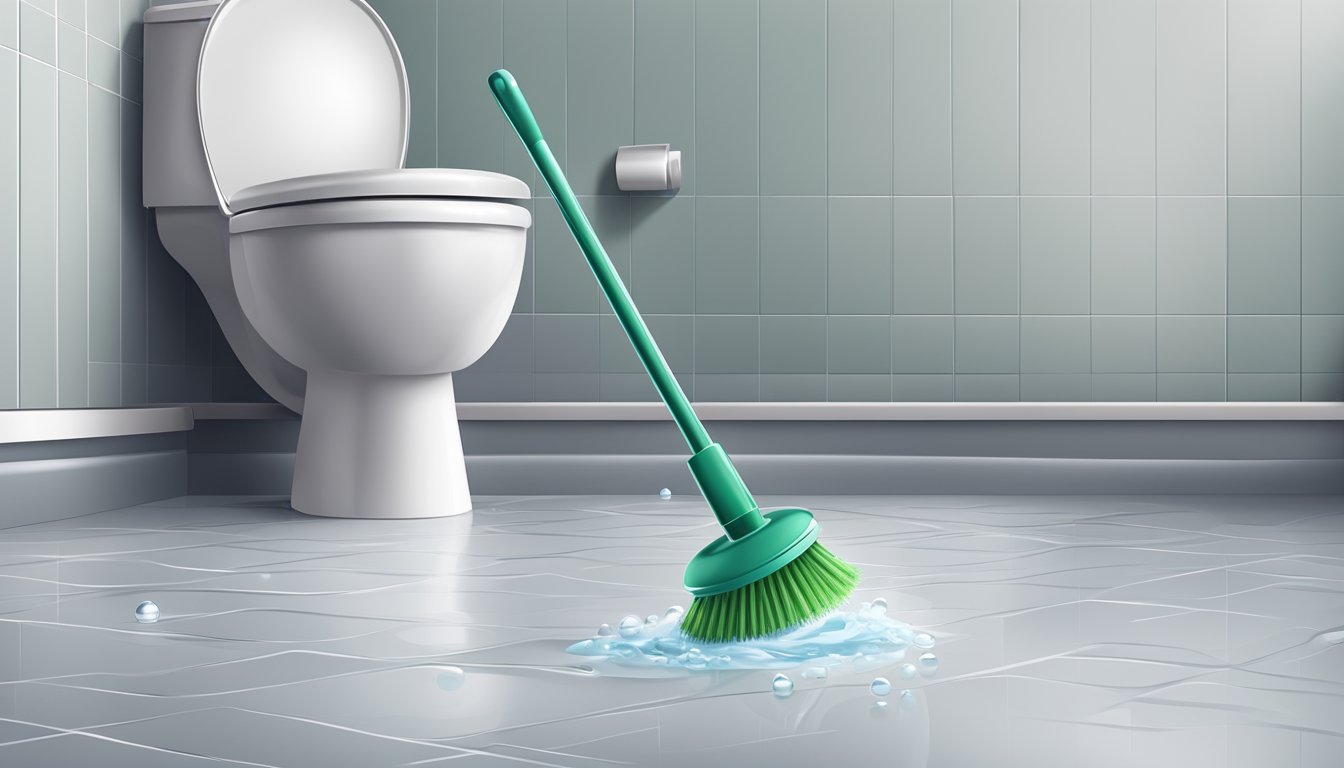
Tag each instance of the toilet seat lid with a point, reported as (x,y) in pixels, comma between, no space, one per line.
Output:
(290,88)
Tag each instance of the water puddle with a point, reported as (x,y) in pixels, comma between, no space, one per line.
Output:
(867,635)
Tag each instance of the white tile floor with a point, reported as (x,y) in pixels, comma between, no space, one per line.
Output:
(1101,631)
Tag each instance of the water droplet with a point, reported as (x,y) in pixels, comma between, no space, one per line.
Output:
(725,659)
(673,646)
(451,678)
(880,704)
(928,664)
(880,605)
(147,612)
(652,618)
(923,640)
(782,685)
(908,672)
(907,699)
(665,494)
(629,626)
(880,686)
(605,631)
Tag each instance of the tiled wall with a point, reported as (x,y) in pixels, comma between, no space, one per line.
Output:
(92,311)
(917,199)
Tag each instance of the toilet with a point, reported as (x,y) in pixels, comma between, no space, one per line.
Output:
(349,287)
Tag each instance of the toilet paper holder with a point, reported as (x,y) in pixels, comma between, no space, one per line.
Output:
(648,168)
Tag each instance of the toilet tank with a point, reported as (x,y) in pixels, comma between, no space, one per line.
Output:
(175,170)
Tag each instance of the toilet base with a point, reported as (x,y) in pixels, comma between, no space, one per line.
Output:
(383,447)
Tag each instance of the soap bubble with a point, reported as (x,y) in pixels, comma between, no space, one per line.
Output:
(908,672)
(665,494)
(652,618)
(880,686)
(907,699)
(451,678)
(782,685)
(147,612)
(605,631)
(629,626)
(928,664)
(923,640)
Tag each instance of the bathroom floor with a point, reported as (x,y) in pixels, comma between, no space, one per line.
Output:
(1072,631)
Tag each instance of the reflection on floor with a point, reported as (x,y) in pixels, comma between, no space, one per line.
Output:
(1098,631)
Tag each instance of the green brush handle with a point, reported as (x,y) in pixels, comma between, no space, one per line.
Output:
(718,479)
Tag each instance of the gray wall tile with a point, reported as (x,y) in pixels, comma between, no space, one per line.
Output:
(566,344)
(103,19)
(662,28)
(793,97)
(1055,60)
(1191,344)
(984,97)
(922,344)
(37,234)
(72,239)
(793,255)
(937,388)
(71,12)
(793,344)
(727,255)
(1056,252)
(987,345)
(793,387)
(858,272)
(1124,97)
(1322,254)
(412,24)
(471,129)
(104,231)
(566,387)
(858,387)
(727,387)
(9,227)
(1264,255)
(1056,387)
(857,344)
(104,63)
(533,45)
(564,282)
(9,24)
(37,34)
(1264,343)
(1323,386)
(1191,387)
(662,254)
(514,350)
(725,118)
(472,387)
(1124,247)
(600,91)
(1191,97)
(672,333)
(71,50)
(922,98)
(859,107)
(1056,345)
(988,388)
(1264,87)
(625,388)
(727,344)
(1264,387)
(1124,387)
(922,255)
(1322,98)
(985,261)
(1323,343)
(1123,345)
(1191,255)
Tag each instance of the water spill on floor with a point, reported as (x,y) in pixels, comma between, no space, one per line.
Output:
(865,637)
(1114,631)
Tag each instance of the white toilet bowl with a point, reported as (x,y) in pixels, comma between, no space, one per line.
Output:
(375,281)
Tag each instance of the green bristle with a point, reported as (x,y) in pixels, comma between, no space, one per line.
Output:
(805,589)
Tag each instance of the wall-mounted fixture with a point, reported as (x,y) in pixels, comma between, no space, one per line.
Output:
(648,168)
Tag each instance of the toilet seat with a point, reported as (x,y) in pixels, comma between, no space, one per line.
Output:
(382,210)
(382,182)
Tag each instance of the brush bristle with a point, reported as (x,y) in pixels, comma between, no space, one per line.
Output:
(814,583)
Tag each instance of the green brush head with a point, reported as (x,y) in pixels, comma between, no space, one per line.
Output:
(804,588)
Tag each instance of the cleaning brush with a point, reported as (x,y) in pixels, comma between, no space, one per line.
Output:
(767,573)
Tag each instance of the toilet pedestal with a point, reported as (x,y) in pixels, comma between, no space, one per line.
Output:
(380,447)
